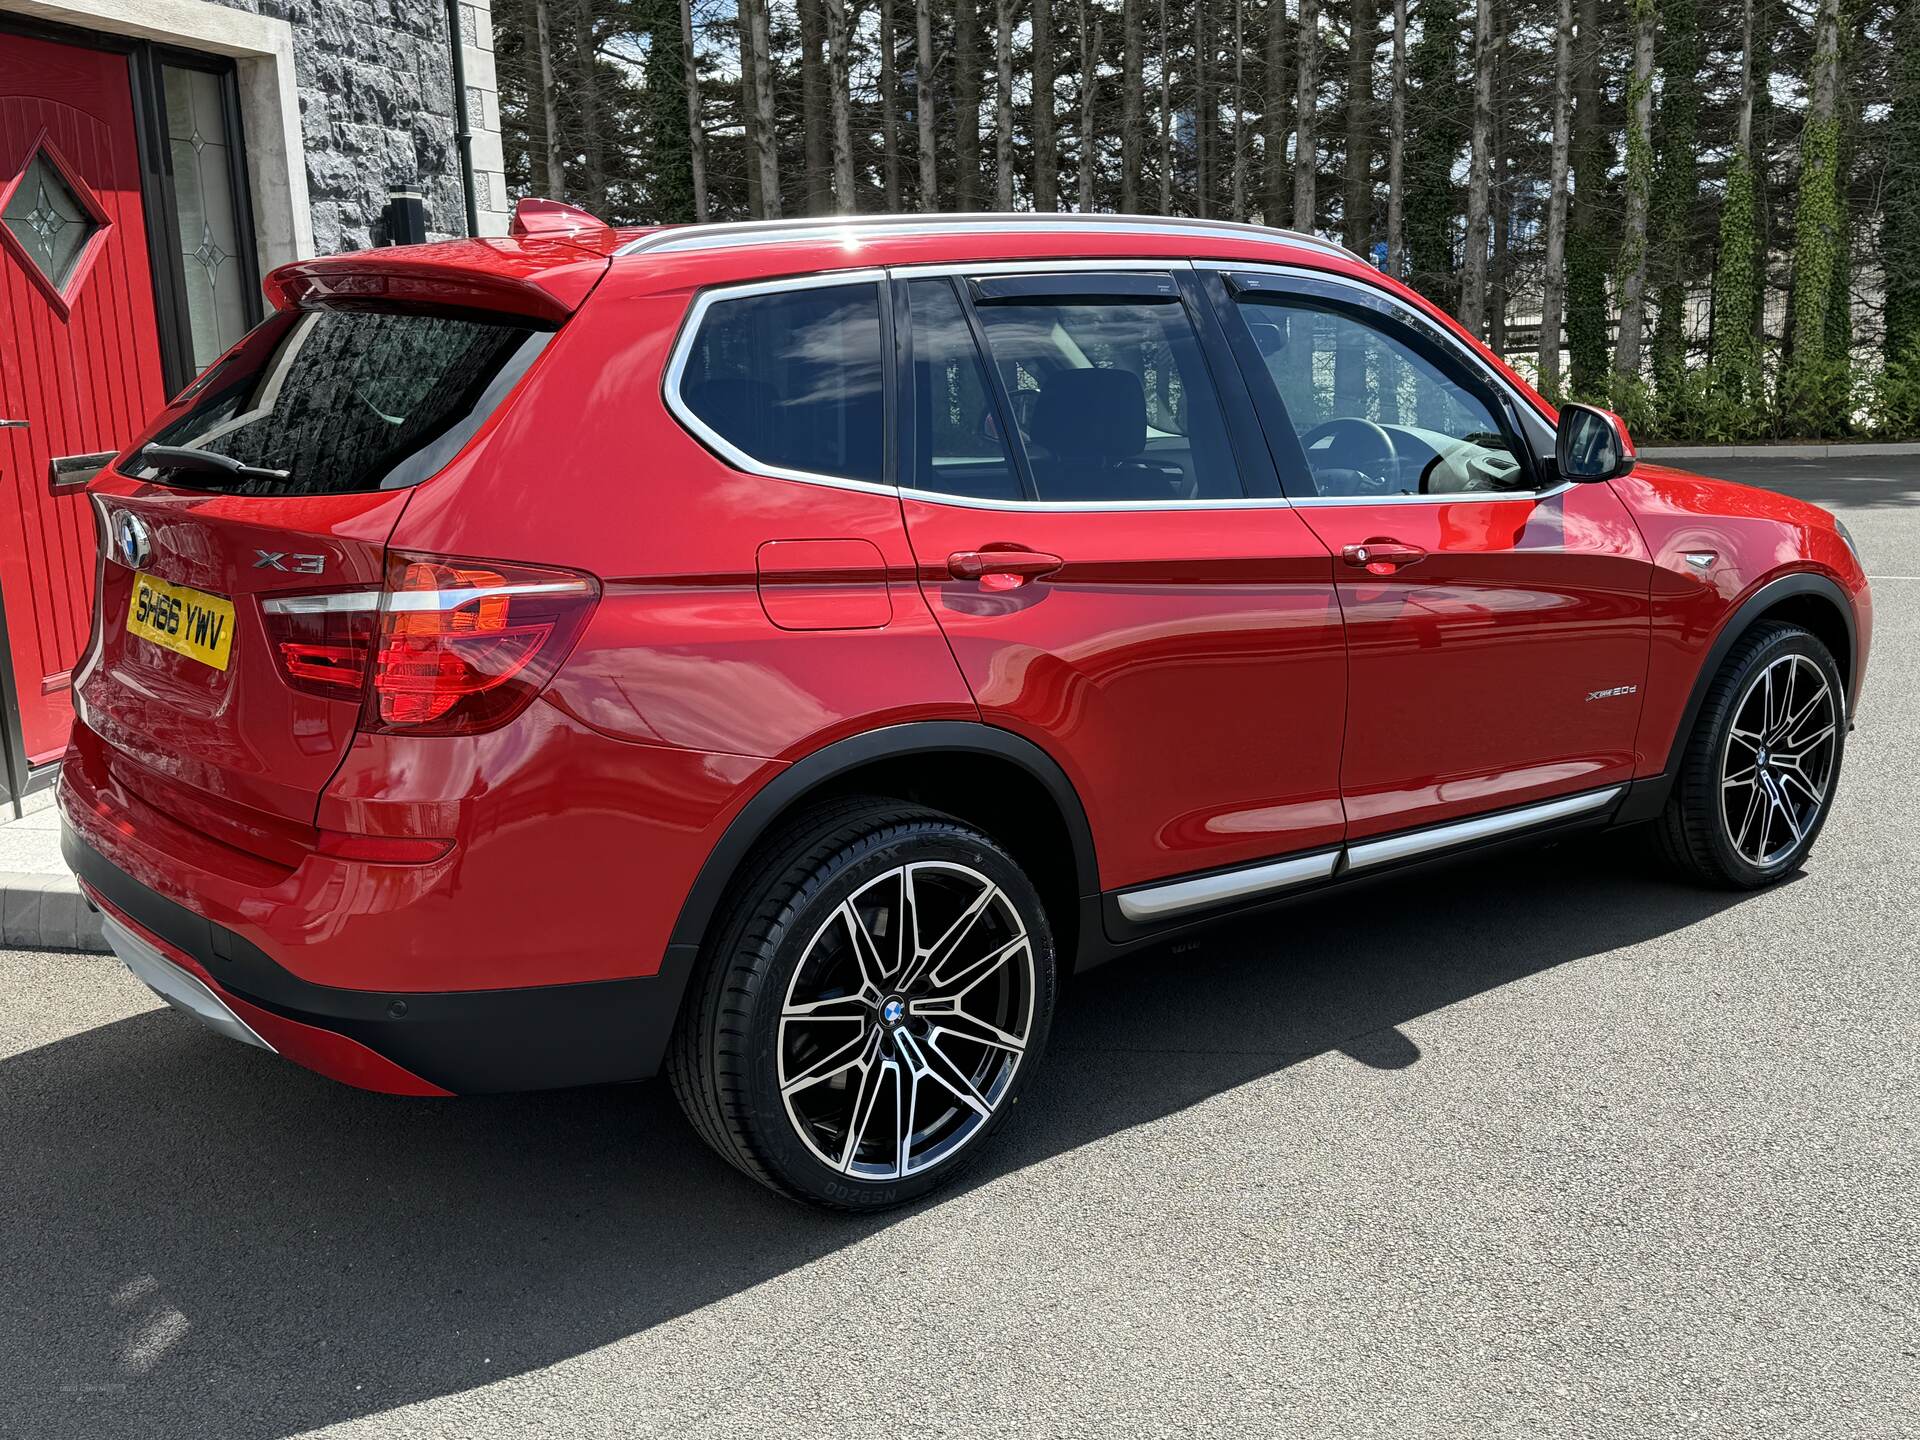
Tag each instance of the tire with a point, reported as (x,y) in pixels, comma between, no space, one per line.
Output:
(805,1015)
(1788,740)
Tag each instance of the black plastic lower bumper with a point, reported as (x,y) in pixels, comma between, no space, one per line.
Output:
(466,1041)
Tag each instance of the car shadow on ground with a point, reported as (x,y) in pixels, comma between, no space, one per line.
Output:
(199,1239)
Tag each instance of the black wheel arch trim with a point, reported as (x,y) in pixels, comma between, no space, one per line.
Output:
(891,742)
(1786,587)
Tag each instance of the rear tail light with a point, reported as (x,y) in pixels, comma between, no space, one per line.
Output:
(324,642)
(450,647)
(464,645)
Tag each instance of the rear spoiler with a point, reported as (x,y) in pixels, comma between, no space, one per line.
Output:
(541,278)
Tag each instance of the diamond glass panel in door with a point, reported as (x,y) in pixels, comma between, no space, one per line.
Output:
(49,220)
(218,312)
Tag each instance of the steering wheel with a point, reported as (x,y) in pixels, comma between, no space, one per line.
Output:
(1364,446)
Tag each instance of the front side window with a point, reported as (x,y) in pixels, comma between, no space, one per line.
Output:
(792,380)
(1375,414)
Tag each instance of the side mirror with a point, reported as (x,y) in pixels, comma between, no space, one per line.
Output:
(1592,444)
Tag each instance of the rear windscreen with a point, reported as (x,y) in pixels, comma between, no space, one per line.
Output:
(344,400)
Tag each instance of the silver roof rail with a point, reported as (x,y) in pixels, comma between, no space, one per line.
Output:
(827,227)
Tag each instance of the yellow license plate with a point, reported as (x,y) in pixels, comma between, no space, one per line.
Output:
(188,622)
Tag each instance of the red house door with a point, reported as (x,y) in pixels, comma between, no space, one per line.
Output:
(79,350)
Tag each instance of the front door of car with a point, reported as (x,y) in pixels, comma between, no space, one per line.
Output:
(1497,620)
(1118,579)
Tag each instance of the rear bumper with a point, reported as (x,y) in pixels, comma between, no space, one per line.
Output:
(407,1043)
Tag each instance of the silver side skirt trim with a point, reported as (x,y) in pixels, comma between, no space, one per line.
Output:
(1156,902)
(175,986)
(1441,837)
(1160,902)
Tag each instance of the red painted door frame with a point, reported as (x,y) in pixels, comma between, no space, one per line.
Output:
(86,362)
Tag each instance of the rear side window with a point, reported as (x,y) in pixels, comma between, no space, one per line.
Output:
(956,425)
(790,380)
(1110,399)
(345,400)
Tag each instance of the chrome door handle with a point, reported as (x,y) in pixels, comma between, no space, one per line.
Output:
(1383,556)
(1011,566)
(15,424)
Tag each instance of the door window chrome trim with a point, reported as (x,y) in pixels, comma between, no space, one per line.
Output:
(971,502)
(1369,853)
(1159,902)
(683,349)
(1169,899)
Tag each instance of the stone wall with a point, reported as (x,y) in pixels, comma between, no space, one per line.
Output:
(375,81)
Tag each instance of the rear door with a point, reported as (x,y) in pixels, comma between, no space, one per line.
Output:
(1498,622)
(1113,566)
(236,605)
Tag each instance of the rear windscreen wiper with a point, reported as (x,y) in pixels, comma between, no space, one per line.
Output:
(180,457)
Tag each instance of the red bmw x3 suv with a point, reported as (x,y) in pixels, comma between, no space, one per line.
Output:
(779,654)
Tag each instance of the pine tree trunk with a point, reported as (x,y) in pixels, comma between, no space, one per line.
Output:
(1473,276)
(1357,202)
(1003,110)
(889,109)
(1397,148)
(1166,121)
(1586,322)
(1239,110)
(1132,82)
(696,128)
(1203,112)
(966,104)
(1046,154)
(586,63)
(765,143)
(1633,239)
(556,176)
(1277,184)
(817,188)
(748,119)
(1553,289)
(923,104)
(1306,98)
(1502,179)
(1089,100)
(841,105)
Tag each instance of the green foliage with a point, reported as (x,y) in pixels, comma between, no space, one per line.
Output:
(1894,410)
(1434,141)
(1639,162)
(1900,226)
(670,191)
(1676,195)
(1734,355)
(1814,386)
(1587,309)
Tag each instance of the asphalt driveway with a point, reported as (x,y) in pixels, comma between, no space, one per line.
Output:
(1541,1144)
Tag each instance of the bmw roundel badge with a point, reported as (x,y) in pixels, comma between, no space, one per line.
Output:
(132,540)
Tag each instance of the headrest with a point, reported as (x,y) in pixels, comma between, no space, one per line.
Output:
(1091,415)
